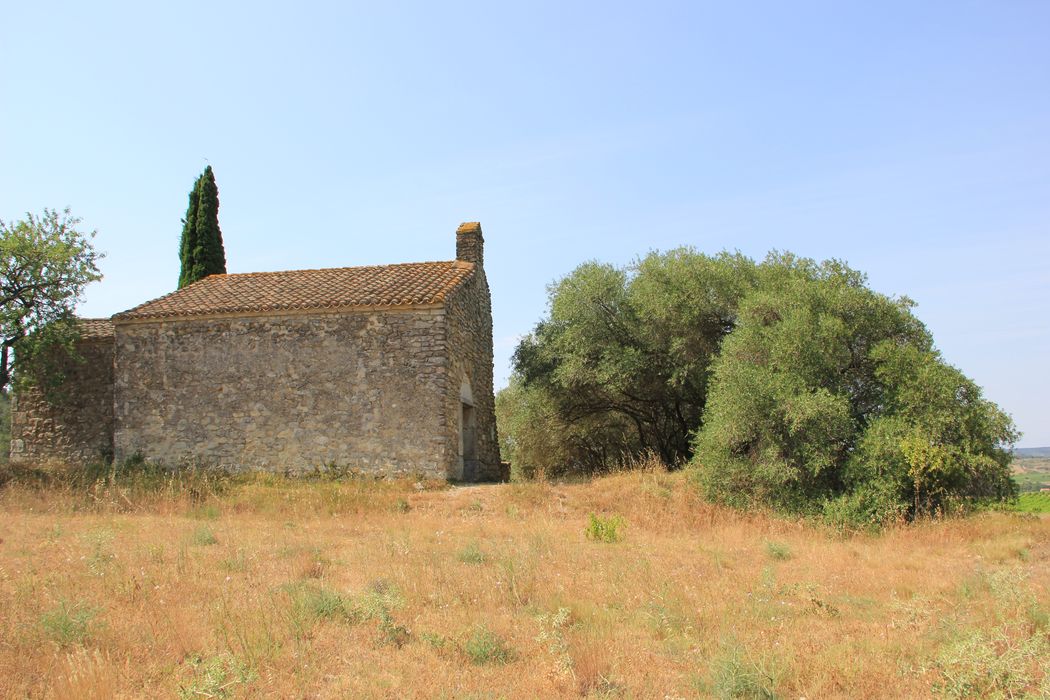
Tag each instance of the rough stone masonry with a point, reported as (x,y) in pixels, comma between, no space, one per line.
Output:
(384,370)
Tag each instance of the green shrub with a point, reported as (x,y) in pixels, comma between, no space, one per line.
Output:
(311,604)
(621,363)
(203,537)
(434,640)
(871,507)
(324,604)
(737,673)
(829,398)
(607,529)
(985,664)
(67,624)
(472,554)
(485,647)
(778,551)
(216,677)
(377,604)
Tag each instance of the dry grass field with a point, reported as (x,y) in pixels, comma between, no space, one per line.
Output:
(266,587)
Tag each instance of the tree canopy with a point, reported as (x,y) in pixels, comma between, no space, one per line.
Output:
(201,251)
(45,263)
(622,361)
(788,384)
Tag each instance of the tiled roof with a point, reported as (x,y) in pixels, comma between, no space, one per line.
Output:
(92,328)
(383,285)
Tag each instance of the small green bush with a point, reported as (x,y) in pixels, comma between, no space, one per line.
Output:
(472,554)
(608,529)
(434,640)
(377,604)
(325,604)
(870,507)
(988,664)
(735,673)
(312,604)
(67,624)
(203,537)
(216,677)
(486,647)
(778,551)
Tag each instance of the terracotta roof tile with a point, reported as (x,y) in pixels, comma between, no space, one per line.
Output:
(381,285)
(94,328)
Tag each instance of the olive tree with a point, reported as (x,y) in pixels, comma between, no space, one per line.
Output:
(829,396)
(621,363)
(45,263)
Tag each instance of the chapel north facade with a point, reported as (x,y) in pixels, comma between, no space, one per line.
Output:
(382,369)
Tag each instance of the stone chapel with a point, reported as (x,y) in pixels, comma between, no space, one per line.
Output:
(380,369)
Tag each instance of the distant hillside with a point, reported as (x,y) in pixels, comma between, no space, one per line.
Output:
(1032,452)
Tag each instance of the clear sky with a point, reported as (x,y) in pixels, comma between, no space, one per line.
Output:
(911,139)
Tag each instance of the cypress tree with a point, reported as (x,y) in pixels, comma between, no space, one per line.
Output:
(201,252)
(188,242)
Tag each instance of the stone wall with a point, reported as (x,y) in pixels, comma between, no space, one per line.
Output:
(469,311)
(77,425)
(361,389)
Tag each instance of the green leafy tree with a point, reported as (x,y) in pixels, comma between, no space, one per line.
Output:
(539,442)
(201,251)
(45,263)
(622,362)
(936,443)
(828,395)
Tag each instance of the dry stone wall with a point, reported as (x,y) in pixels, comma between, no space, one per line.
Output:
(363,390)
(77,425)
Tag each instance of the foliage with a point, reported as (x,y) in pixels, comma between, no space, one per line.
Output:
(313,603)
(216,677)
(621,364)
(201,251)
(472,554)
(67,624)
(778,550)
(789,384)
(45,263)
(486,647)
(606,529)
(980,664)
(539,441)
(553,629)
(830,395)
(203,536)
(738,673)
(1006,660)
(1032,503)
(377,604)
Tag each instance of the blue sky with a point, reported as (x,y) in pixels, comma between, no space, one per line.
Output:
(911,139)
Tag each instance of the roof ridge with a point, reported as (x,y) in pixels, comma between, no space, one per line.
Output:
(260,273)
(398,284)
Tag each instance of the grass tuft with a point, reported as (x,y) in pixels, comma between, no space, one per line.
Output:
(484,646)
(778,551)
(69,623)
(203,536)
(607,529)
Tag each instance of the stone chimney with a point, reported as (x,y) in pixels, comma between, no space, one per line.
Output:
(469,243)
